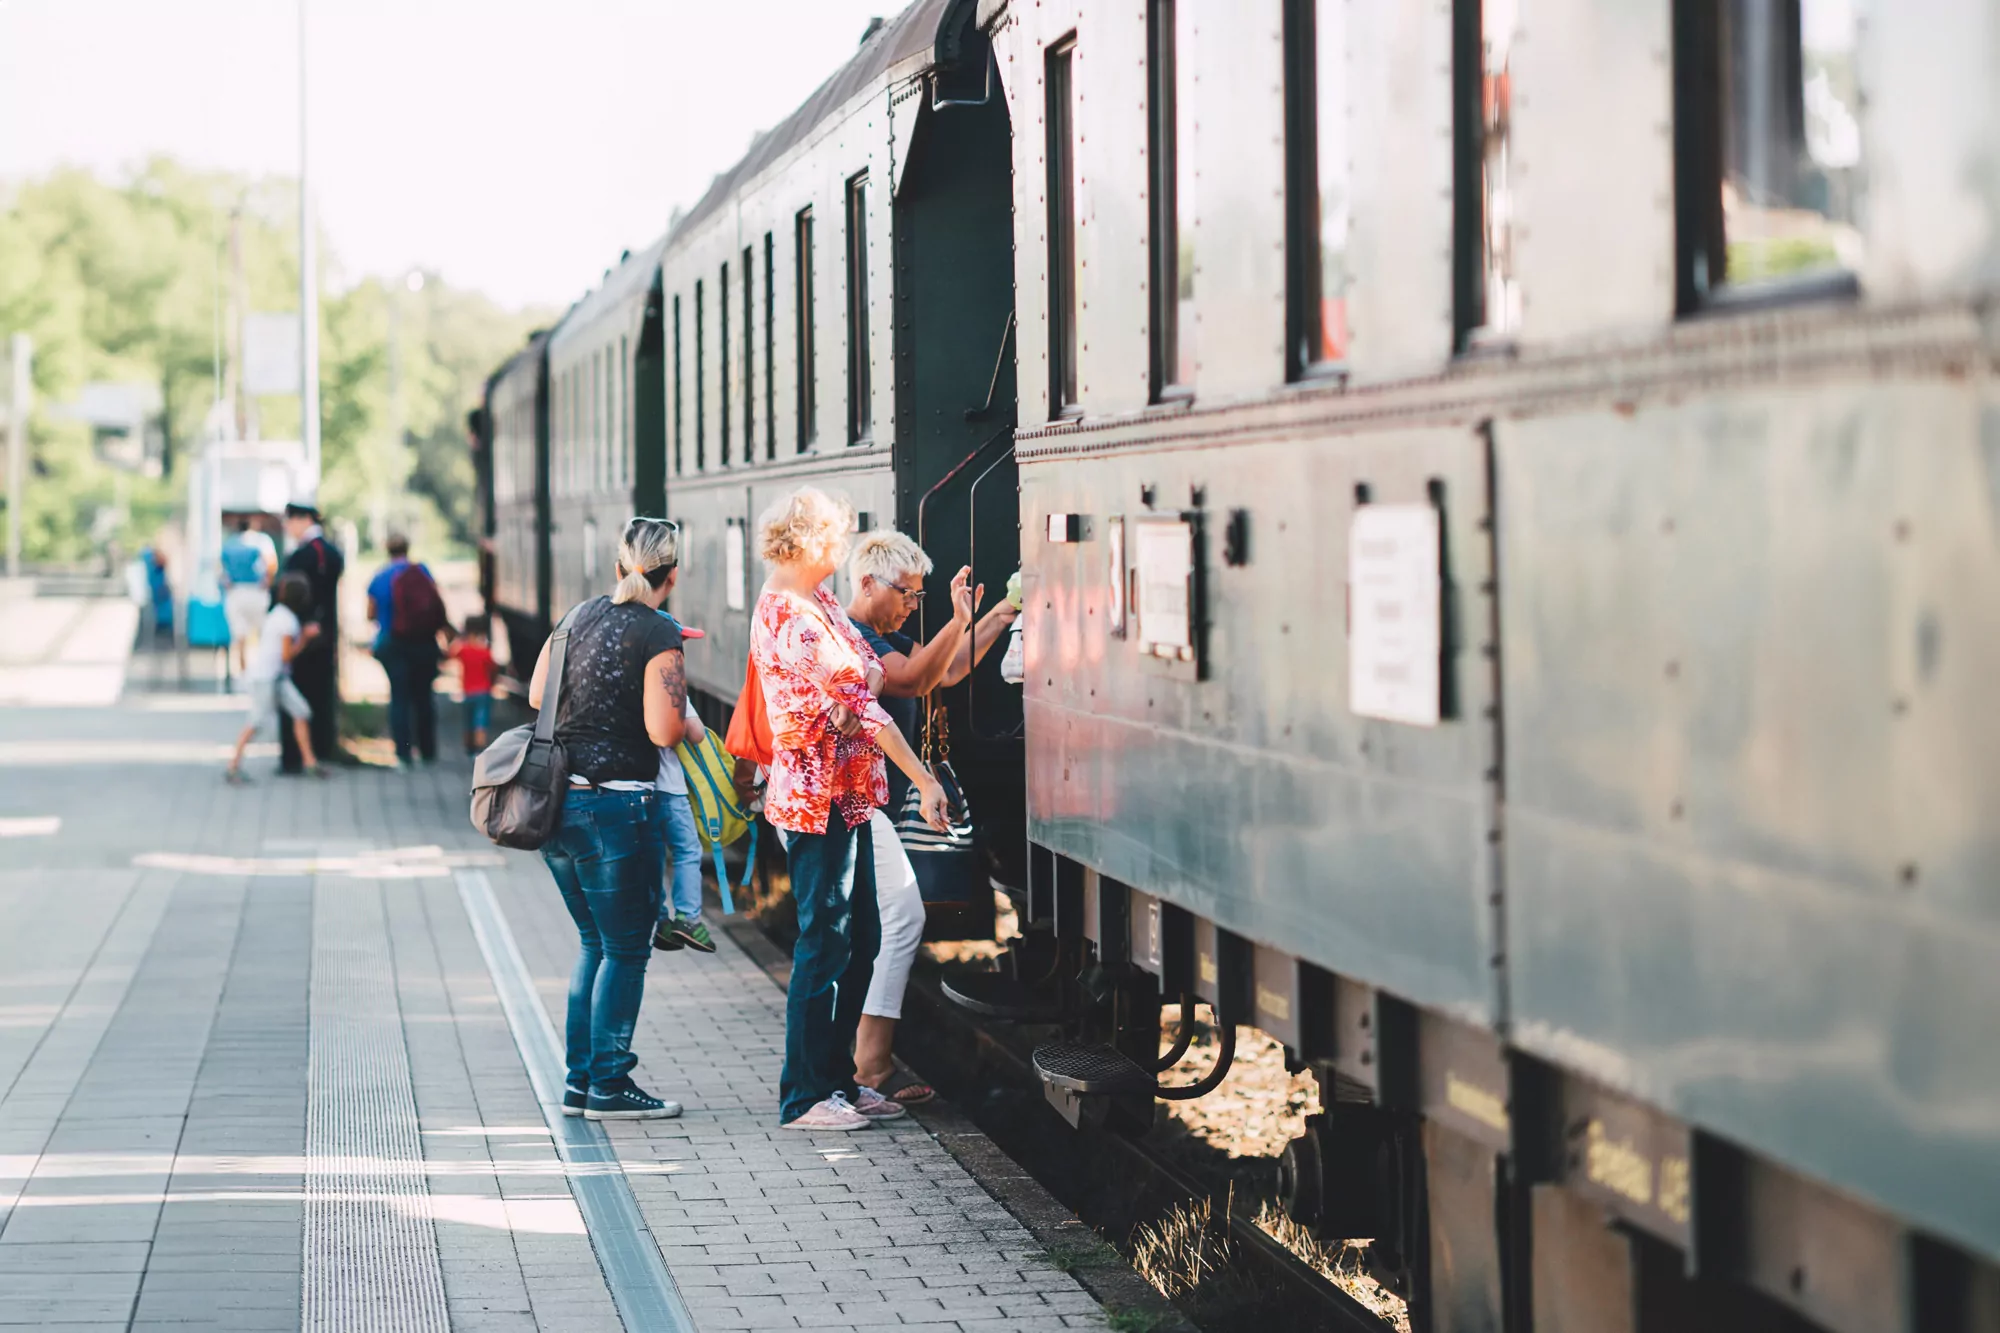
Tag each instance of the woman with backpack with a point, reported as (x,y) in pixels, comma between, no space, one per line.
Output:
(621,699)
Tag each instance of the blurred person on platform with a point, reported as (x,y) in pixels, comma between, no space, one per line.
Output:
(316,670)
(473,651)
(408,611)
(829,736)
(888,571)
(249,563)
(273,696)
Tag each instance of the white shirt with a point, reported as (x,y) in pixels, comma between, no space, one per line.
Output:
(673,779)
(268,661)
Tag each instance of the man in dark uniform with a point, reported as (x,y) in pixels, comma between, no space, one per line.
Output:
(316,668)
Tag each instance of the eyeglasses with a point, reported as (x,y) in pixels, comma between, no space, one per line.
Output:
(910,595)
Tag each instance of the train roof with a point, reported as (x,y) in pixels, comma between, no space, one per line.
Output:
(909,34)
(530,355)
(613,297)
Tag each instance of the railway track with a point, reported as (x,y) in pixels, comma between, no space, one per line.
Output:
(1114,1184)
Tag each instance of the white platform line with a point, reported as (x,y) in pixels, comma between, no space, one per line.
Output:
(634,1270)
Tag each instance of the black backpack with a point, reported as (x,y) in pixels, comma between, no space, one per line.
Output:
(519,782)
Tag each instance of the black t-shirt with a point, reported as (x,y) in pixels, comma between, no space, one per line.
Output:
(601,716)
(901,711)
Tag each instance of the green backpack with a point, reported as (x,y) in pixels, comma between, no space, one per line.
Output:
(720,820)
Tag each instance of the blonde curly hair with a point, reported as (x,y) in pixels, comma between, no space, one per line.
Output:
(806,527)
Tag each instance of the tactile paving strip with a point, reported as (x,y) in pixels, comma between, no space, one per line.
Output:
(371,1255)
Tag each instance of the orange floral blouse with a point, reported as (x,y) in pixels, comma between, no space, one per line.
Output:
(808,657)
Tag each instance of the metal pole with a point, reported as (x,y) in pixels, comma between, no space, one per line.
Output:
(23,348)
(308,287)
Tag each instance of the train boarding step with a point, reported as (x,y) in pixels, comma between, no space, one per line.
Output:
(1074,1069)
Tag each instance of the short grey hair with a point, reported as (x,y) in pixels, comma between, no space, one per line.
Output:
(887,556)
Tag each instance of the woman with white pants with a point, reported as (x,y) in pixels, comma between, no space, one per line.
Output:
(888,570)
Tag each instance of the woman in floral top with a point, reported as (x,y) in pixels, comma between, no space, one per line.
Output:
(828,739)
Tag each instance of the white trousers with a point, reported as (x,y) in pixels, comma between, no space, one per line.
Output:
(902,908)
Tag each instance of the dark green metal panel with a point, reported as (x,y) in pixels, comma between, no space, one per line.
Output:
(1254,797)
(1753,805)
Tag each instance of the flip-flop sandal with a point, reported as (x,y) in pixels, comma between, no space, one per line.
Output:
(905,1089)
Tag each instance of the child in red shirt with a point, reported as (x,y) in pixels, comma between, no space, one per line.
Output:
(475,672)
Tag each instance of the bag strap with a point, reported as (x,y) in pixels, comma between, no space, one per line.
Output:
(545,721)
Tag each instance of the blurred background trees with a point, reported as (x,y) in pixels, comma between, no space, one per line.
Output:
(131,281)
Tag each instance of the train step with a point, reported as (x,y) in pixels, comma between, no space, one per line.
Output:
(1085,1069)
(997,995)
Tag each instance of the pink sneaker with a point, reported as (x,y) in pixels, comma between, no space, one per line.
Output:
(834,1113)
(877,1107)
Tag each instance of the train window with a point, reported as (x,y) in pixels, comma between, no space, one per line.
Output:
(624,411)
(1062,230)
(803,357)
(722,356)
(749,363)
(1487,299)
(679,420)
(859,390)
(597,423)
(700,382)
(770,347)
(1768,148)
(1318,167)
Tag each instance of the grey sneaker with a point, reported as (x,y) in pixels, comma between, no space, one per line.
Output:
(875,1106)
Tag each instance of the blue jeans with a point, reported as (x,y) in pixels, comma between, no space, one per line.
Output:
(684,846)
(607,858)
(412,668)
(478,712)
(833,883)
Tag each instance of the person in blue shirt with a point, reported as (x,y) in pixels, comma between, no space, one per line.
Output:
(249,562)
(408,612)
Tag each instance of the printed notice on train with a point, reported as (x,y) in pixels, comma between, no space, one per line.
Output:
(1395,635)
(735,591)
(1165,557)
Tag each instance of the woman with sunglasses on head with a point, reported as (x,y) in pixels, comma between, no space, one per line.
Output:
(622,698)
(888,570)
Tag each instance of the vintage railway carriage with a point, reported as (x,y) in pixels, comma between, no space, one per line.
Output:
(605,426)
(837,311)
(1511,510)
(514,427)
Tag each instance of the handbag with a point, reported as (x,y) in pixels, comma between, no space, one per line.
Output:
(520,780)
(947,864)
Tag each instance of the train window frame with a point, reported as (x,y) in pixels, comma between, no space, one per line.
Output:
(749,358)
(722,366)
(1306,151)
(860,368)
(770,347)
(1162,165)
(1482,173)
(1059,118)
(1701,83)
(806,353)
(624,409)
(700,378)
(680,433)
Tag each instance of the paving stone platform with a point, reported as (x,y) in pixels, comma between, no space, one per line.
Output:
(255,1074)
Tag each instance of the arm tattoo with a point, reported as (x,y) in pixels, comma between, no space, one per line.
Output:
(673,679)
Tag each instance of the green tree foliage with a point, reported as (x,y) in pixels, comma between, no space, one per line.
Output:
(131,280)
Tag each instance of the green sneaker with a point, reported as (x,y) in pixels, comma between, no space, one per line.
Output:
(664,939)
(690,931)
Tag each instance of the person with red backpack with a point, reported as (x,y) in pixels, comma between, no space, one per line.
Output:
(408,611)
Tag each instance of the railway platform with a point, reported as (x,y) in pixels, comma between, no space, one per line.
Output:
(281,1057)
